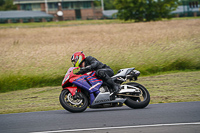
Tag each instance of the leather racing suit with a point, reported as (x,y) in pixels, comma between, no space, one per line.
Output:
(103,72)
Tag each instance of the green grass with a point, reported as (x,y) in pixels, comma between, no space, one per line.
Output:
(179,64)
(173,87)
(27,81)
(61,23)
(164,88)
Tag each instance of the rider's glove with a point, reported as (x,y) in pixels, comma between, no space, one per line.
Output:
(84,70)
(88,68)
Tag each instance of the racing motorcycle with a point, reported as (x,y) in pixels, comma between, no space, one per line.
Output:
(82,91)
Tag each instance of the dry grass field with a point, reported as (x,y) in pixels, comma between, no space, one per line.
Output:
(32,57)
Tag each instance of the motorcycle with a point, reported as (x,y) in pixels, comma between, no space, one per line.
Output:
(82,91)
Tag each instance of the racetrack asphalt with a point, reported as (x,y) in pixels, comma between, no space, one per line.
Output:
(156,118)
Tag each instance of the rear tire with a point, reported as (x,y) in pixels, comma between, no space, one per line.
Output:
(138,102)
(73,105)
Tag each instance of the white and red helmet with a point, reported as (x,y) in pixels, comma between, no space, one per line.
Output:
(77,58)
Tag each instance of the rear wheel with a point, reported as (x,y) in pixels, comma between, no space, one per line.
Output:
(72,104)
(138,99)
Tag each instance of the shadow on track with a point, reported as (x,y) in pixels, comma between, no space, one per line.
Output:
(95,110)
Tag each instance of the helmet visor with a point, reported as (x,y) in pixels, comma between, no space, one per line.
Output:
(74,62)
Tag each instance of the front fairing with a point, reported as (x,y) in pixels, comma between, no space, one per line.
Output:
(87,81)
(68,75)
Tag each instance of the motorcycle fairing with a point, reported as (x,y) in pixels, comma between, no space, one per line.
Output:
(104,98)
(72,90)
(69,75)
(123,72)
(90,84)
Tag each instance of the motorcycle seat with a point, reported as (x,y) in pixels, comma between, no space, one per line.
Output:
(123,73)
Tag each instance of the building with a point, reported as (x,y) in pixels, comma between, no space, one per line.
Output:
(62,9)
(24,16)
(186,11)
(188,8)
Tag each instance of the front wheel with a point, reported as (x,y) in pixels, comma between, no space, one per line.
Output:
(138,100)
(74,105)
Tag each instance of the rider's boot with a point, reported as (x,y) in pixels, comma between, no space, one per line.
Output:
(115,88)
(108,80)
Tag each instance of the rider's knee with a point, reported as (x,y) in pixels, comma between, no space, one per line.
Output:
(101,74)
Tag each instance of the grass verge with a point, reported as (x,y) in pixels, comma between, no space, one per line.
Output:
(20,82)
(61,23)
(165,88)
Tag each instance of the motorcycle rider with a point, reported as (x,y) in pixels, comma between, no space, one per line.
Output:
(90,63)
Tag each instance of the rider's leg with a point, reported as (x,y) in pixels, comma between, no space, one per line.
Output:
(105,75)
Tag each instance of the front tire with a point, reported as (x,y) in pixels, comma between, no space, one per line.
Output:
(73,105)
(141,100)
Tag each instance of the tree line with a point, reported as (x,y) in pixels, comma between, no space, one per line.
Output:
(141,10)
(6,5)
(145,10)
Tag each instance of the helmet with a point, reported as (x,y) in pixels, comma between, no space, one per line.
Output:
(77,58)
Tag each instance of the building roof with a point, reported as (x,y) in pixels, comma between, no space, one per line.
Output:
(181,9)
(23,14)
(43,1)
(109,13)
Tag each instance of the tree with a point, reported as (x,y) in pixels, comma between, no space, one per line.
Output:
(108,4)
(145,10)
(97,3)
(7,5)
(2,2)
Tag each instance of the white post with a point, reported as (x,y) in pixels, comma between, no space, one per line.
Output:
(46,6)
(102,5)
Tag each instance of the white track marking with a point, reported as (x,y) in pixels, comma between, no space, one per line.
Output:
(122,127)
